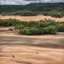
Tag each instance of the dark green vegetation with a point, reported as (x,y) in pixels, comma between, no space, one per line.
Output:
(34,28)
(52,9)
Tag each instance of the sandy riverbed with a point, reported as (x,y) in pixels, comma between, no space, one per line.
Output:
(49,49)
(33,18)
(20,54)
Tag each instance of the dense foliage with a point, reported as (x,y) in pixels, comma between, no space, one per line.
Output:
(34,28)
(52,9)
(9,22)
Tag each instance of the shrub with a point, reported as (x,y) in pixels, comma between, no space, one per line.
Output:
(37,31)
(57,15)
(10,29)
(9,22)
(50,30)
(31,31)
(61,28)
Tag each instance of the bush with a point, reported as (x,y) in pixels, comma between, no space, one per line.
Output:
(37,31)
(31,31)
(10,29)
(41,27)
(9,22)
(46,23)
(50,30)
(61,28)
(57,15)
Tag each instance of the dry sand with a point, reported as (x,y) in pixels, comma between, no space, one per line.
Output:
(22,54)
(27,54)
(33,18)
(5,32)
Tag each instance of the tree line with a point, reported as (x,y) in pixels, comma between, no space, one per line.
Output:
(52,9)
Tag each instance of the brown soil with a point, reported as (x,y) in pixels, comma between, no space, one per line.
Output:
(33,18)
(23,54)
